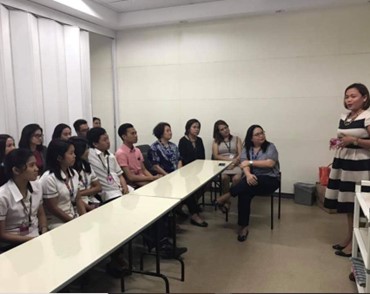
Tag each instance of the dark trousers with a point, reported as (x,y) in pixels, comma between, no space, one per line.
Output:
(266,185)
(191,203)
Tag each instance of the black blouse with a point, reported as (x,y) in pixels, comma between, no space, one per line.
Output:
(190,153)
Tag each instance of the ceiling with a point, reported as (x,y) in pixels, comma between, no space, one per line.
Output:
(125,14)
(135,5)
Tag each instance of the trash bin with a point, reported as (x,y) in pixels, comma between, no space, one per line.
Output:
(304,193)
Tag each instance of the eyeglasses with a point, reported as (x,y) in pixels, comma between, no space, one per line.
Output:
(38,135)
(259,134)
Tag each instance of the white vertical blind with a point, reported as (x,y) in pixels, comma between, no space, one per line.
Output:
(7,99)
(53,67)
(26,68)
(44,73)
(85,75)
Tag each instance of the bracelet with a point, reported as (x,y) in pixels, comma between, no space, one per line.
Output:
(355,143)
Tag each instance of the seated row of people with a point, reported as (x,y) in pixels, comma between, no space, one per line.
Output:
(70,183)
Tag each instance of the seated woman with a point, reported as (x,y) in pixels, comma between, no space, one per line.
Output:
(62,131)
(260,163)
(22,215)
(191,148)
(227,147)
(32,138)
(165,157)
(191,145)
(6,145)
(60,184)
(89,184)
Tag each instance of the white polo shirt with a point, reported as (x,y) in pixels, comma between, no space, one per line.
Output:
(103,166)
(85,183)
(14,213)
(65,191)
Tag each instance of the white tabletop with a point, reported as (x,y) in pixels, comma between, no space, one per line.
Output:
(51,261)
(184,181)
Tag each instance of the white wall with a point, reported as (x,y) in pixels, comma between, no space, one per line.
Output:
(102,83)
(286,72)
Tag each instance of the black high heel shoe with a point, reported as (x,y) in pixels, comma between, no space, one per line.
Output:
(242,238)
(221,206)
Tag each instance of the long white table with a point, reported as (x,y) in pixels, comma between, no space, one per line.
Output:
(50,262)
(184,181)
(53,260)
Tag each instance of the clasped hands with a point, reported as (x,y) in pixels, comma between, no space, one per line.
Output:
(343,141)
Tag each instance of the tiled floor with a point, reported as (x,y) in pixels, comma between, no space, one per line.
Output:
(295,257)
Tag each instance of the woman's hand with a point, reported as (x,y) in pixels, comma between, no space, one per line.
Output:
(346,140)
(251,180)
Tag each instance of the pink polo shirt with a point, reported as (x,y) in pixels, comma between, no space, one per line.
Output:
(131,158)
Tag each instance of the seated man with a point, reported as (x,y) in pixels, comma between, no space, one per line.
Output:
(81,127)
(105,166)
(113,183)
(131,159)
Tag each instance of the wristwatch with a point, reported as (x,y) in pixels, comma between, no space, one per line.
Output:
(355,142)
(250,162)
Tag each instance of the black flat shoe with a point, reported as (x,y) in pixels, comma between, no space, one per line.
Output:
(203,224)
(242,238)
(341,253)
(338,247)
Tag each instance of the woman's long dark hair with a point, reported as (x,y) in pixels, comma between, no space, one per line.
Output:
(81,144)
(3,139)
(27,134)
(216,133)
(58,130)
(248,144)
(57,149)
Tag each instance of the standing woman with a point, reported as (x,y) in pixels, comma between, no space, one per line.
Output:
(351,162)
(165,158)
(32,138)
(60,184)
(191,146)
(88,182)
(62,131)
(260,163)
(6,145)
(227,147)
(22,215)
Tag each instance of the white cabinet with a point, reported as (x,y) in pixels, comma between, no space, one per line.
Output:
(361,236)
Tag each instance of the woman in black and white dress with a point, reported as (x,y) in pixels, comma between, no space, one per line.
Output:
(351,160)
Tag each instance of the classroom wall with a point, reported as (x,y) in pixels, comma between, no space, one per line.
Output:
(285,71)
(102,83)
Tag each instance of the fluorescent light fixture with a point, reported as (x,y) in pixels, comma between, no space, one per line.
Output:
(79,5)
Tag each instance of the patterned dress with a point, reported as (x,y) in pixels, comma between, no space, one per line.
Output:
(350,165)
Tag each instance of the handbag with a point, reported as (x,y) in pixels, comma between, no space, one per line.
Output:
(324,172)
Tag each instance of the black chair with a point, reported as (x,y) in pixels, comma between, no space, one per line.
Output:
(145,150)
(272,204)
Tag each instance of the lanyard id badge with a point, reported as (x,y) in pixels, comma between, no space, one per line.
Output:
(24,229)
(110,179)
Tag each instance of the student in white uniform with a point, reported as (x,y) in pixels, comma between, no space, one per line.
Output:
(89,184)
(106,166)
(61,195)
(22,215)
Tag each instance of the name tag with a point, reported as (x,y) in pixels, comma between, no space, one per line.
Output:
(24,229)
